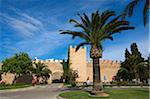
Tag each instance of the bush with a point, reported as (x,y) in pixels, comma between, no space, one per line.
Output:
(70,77)
(73,76)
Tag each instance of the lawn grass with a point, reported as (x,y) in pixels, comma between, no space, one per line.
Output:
(114,94)
(14,86)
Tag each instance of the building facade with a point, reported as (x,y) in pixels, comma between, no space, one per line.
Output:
(78,60)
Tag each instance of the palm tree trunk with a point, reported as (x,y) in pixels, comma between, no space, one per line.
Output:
(97,84)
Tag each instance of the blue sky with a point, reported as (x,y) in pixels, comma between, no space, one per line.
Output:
(33,26)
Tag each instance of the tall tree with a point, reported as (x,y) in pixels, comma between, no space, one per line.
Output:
(135,65)
(94,31)
(127,54)
(69,74)
(137,60)
(66,69)
(128,11)
(41,70)
(18,64)
(135,51)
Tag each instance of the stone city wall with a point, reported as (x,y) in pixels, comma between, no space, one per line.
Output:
(78,60)
(108,69)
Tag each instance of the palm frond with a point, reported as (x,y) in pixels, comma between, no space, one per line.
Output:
(115,19)
(73,21)
(87,19)
(110,37)
(80,45)
(130,7)
(112,21)
(118,30)
(96,29)
(75,33)
(105,16)
(83,20)
(82,26)
(93,16)
(111,26)
(146,13)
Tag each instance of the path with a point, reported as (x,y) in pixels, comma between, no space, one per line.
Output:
(39,92)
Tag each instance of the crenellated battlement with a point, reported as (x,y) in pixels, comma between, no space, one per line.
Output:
(49,60)
(107,62)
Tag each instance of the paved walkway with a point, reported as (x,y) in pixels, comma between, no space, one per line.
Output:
(38,92)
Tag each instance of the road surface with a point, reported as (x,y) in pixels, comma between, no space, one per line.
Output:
(38,92)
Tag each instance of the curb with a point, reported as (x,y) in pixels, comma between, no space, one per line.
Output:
(94,96)
(27,88)
(14,90)
(59,97)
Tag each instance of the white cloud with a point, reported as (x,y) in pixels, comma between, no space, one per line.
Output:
(46,41)
(43,44)
(23,24)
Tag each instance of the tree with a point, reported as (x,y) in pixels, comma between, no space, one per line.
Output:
(66,75)
(41,70)
(127,54)
(128,11)
(123,74)
(18,64)
(126,71)
(136,60)
(134,65)
(94,31)
(66,69)
(73,74)
(69,74)
(144,71)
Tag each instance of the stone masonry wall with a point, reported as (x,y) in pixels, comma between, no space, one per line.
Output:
(108,69)
(78,62)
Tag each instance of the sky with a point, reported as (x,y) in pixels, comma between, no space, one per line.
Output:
(33,26)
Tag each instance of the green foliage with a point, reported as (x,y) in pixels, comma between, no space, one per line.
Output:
(97,28)
(69,75)
(94,30)
(1,72)
(134,66)
(66,71)
(123,73)
(130,8)
(41,70)
(127,54)
(72,78)
(18,64)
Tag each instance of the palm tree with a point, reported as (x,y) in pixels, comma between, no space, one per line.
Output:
(131,7)
(40,70)
(94,32)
